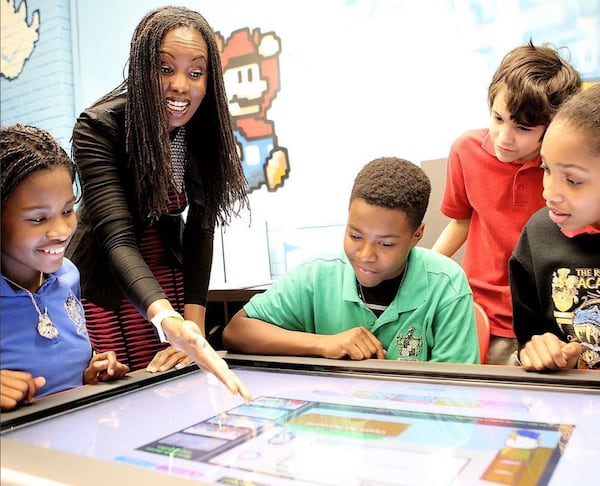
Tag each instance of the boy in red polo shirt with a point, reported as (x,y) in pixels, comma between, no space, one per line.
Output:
(494,180)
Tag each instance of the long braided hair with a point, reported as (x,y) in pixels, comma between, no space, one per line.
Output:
(25,149)
(209,132)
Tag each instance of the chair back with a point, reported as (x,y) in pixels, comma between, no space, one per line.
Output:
(483,331)
(434,220)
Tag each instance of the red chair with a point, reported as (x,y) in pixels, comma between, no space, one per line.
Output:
(483,331)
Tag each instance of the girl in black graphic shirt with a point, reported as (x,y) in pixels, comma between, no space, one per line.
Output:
(555,268)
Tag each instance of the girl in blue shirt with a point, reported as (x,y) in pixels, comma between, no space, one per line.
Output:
(44,345)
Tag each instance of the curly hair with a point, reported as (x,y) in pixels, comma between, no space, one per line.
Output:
(25,149)
(394,183)
(209,130)
(535,80)
(582,112)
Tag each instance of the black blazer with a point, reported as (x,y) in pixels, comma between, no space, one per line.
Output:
(105,244)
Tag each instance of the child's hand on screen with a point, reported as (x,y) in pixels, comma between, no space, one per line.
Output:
(104,367)
(547,352)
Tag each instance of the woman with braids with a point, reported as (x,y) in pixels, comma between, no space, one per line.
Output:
(156,145)
(43,340)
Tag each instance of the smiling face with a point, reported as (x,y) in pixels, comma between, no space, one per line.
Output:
(512,141)
(571,177)
(38,222)
(378,241)
(183,73)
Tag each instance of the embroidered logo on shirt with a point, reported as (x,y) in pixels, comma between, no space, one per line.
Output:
(409,346)
(564,289)
(75,312)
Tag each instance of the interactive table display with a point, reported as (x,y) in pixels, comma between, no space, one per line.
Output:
(323,422)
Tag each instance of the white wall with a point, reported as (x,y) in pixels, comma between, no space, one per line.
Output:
(359,79)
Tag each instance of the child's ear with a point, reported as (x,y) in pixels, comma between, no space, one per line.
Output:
(418,234)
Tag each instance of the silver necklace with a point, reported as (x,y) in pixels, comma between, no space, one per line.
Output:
(380,307)
(45,327)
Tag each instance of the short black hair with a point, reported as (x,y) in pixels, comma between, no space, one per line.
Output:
(394,183)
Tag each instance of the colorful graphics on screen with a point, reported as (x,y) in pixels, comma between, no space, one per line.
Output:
(294,439)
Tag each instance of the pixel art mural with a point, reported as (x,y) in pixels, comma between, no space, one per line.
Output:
(250,61)
(18,37)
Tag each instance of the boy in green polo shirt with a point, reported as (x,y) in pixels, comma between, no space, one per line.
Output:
(385,298)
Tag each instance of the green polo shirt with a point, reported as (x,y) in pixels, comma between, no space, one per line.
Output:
(430,319)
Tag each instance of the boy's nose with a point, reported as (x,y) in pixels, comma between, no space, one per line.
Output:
(505,134)
(367,252)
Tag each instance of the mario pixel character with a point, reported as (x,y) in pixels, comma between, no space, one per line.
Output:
(250,63)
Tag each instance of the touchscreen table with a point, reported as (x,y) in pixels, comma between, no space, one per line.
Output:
(321,428)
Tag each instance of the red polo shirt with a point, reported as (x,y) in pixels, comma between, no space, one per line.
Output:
(498,198)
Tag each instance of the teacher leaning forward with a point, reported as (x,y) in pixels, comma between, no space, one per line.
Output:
(156,145)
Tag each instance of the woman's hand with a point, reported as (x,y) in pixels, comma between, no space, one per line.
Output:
(168,358)
(186,337)
(17,387)
(104,367)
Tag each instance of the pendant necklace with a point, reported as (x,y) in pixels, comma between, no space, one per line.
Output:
(375,306)
(45,327)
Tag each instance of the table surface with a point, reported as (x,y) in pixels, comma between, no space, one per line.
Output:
(235,294)
(20,467)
